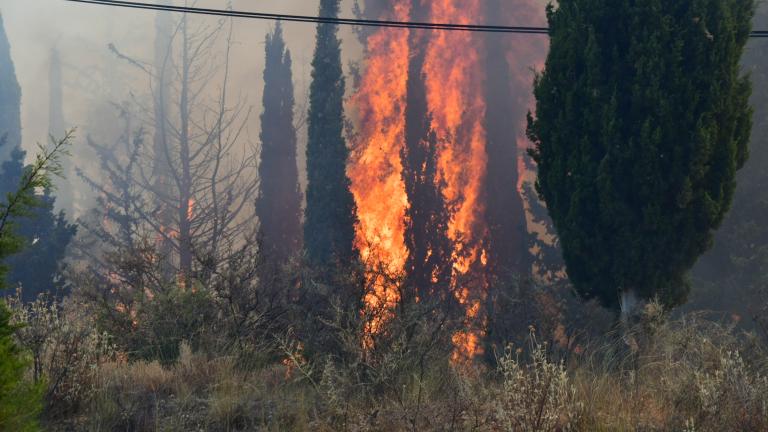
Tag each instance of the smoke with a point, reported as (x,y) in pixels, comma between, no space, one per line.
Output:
(94,78)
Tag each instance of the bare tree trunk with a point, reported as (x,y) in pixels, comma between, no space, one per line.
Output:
(629,305)
(185,186)
(161,165)
(197,182)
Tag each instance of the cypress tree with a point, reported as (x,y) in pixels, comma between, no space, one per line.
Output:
(428,266)
(279,203)
(505,215)
(10,99)
(642,121)
(330,216)
(45,233)
(735,272)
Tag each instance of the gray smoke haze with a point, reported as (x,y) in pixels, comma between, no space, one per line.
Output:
(93,77)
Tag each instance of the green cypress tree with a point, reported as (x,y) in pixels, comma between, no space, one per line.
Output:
(734,275)
(642,121)
(45,233)
(279,203)
(330,216)
(20,401)
(10,99)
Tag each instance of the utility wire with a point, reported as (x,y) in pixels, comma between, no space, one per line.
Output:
(314,19)
(340,21)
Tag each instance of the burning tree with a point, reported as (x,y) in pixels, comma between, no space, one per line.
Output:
(176,208)
(435,114)
(428,266)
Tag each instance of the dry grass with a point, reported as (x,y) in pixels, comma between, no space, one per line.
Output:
(689,375)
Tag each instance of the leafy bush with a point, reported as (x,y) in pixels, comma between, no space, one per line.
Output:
(151,326)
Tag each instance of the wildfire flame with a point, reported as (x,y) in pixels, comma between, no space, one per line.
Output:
(376,171)
(454,74)
(454,79)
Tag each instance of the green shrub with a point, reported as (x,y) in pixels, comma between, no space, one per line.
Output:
(20,401)
(157,325)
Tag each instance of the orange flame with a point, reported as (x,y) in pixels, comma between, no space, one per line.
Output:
(191,209)
(454,73)
(376,171)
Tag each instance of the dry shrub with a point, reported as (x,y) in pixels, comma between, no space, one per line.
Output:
(535,396)
(66,350)
(689,374)
(198,392)
(129,396)
(732,396)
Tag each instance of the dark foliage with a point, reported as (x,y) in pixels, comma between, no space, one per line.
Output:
(20,402)
(279,203)
(330,216)
(45,235)
(10,99)
(642,121)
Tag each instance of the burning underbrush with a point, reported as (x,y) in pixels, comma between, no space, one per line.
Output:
(688,374)
(226,356)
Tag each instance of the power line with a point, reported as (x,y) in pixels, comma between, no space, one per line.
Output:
(339,21)
(318,20)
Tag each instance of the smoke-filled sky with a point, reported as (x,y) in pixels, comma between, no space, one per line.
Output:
(82,32)
(93,76)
